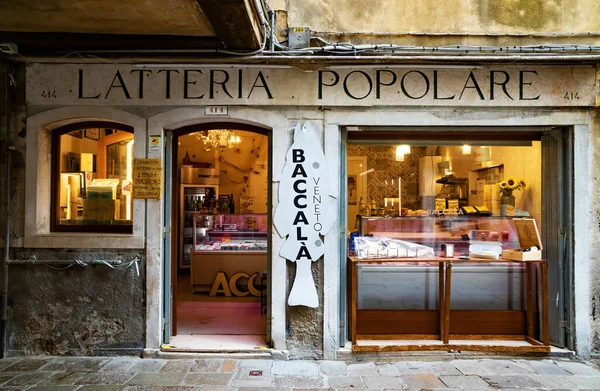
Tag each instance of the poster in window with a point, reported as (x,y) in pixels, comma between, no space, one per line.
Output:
(352,182)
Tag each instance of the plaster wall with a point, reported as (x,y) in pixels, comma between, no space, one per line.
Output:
(417,22)
(593,151)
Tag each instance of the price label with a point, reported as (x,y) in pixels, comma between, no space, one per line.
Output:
(215,110)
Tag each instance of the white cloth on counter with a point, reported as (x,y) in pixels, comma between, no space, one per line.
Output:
(371,247)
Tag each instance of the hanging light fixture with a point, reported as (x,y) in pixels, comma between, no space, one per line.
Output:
(219,138)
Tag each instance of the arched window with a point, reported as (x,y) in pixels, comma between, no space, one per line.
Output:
(92,167)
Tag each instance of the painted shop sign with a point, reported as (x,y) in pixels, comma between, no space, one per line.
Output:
(103,84)
(304,212)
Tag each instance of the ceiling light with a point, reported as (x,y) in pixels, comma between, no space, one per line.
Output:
(466,149)
(220,138)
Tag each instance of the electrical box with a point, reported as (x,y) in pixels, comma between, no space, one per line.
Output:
(299,37)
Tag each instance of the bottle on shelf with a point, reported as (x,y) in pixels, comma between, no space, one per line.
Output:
(231,204)
(191,203)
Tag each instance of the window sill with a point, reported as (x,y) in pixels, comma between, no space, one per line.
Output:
(84,240)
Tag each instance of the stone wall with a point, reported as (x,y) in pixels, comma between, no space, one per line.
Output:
(92,310)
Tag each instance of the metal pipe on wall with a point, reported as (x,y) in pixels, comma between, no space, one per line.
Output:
(8,83)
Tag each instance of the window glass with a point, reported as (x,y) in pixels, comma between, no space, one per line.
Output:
(93,180)
(434,195)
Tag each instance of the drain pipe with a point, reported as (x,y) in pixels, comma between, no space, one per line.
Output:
(8,84)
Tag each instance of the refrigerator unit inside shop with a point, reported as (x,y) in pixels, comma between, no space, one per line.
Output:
(199,192)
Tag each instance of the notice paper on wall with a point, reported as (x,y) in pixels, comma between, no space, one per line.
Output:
(147,178)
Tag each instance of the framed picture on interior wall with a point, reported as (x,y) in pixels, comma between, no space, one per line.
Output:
(76,133)
(93,134)
(352,190)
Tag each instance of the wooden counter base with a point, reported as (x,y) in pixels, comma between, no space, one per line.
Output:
(438,327)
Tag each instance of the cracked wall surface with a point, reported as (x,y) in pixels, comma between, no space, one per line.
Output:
(304,325)
(91,310)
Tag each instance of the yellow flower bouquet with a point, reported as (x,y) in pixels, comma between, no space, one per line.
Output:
(511,184)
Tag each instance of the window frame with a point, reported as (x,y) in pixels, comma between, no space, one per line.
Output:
(56,135)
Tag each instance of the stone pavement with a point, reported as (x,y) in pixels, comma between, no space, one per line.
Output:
(136,374)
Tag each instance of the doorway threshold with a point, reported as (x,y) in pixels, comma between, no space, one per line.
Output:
(457,348)
(217,343)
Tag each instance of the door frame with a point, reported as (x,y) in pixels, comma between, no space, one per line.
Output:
(172,213)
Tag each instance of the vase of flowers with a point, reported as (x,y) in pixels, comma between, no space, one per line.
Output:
(506,192)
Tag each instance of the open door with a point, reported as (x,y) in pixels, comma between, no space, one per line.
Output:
(557,226)
(167,236)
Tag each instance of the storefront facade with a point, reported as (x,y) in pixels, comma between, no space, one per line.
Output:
(157,100)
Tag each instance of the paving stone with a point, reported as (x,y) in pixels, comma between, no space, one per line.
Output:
(214,387)
(106,378)
(255,364)
(363,369)
(544,367)
(298,368)
(53,388)
(228,366)
(420,367)
(592,382)
(76,364)
(372,382)
(206,365)
(310,389)
(29,378)
(422,380)
(120,364)
(388,370)
(552,381)
(162,388)
(465,382)
(96,387)
(469,367)
(64,378)
(577,368)
(8,361)
(266,389)
(159,379)
(27,365)
(4,377)
(207,378)
(242,378)
(334,368)
(299,381)
(512,381)
(505,367)
(177,366)
(147,366)
(345,382)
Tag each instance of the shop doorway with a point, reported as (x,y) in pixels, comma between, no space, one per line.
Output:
(413,173)
(219,238)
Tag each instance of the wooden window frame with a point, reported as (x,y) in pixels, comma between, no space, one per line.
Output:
(55,180)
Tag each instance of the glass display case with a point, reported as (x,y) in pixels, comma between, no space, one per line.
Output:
(230,232)
(433,231)
(233,246)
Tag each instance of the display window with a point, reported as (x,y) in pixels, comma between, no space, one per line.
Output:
(437,195)
(92,178)
(418,203)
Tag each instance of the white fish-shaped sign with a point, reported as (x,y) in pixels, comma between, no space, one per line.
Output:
(305,209)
